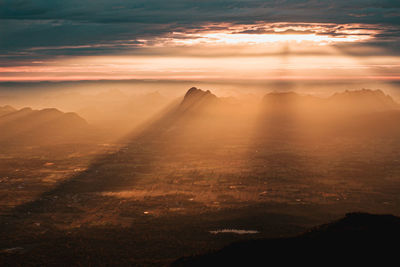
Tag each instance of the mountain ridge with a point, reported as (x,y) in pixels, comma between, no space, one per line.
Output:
(362,100)
(45,126)
(195,96)
(348,239)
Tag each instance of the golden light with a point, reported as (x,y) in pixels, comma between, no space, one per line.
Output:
(281,51)
(257,39)
(267,33)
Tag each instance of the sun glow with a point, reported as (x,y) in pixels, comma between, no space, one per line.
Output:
(258,39)
(267,33)
(281,51)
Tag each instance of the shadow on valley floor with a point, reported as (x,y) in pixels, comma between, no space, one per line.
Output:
(202,166)
(169,159)
(117,170)
(154,200)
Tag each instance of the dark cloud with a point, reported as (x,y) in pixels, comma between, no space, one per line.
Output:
(26,24)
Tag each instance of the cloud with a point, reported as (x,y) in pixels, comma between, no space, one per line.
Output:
(86,27)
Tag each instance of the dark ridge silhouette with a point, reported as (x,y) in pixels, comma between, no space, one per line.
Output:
(195,93)
(358,237)
(198,98)
(181,113)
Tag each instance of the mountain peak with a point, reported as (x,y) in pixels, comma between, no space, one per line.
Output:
(195,92)
(195,95)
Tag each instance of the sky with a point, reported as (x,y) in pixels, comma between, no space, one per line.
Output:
(68,40)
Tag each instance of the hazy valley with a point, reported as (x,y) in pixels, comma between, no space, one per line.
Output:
(146,182)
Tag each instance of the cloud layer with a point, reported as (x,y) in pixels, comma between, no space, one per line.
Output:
(45,30)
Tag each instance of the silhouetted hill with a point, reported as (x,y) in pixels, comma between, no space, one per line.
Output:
(15,115)
(358,237)
(192,111)
(6,109)
(359,101)
(362,113)
(363,100)
(197,97)
(36,127)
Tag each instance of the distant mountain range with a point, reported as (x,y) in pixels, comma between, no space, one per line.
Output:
(201,114)
(197,97)
(6,109)
(362,113)
(37,127)
(357,238)
(360,101)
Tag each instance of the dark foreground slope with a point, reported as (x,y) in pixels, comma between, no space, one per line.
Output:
(356,238)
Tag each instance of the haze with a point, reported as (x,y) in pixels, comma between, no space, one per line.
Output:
(145,132)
